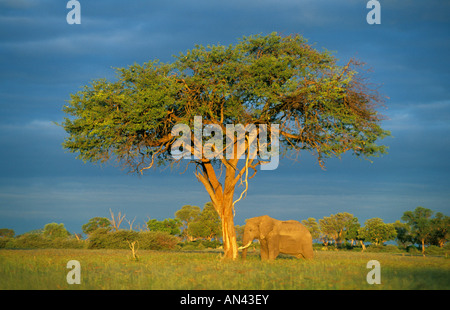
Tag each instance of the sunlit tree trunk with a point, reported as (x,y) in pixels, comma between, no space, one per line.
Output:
(222,199)
(228,229)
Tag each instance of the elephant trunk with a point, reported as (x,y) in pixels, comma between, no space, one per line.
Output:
(244,253)
(244,249)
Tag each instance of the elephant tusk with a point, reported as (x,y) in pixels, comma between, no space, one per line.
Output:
(245,246)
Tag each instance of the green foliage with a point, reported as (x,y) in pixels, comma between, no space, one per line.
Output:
(411,249)
(423,229)
(313,227)
(390,248)
(102,238)
(95,223)
(39,241)
(200,245)
(377,232)
(419,221)
(207,225)
(170,226)
(436,250)
(29,241)
(6,232)
(187,214)
(319,105)
(54,230)
(199,224)
(53,235)
(440,229)
(239,232)
(403,233)
(158,240)
(338,227)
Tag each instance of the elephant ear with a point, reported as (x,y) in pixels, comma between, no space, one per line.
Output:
(266,225)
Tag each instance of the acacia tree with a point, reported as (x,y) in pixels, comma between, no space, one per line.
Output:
(313,227)
(299,94)
(377,232)
(440,229)
(207,225)
(427,230)
(95,223)
(187,214)
(336,226)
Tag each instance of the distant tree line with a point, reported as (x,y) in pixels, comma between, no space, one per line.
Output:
(194,228)
(419,227)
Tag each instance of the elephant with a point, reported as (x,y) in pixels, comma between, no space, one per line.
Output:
(287,237)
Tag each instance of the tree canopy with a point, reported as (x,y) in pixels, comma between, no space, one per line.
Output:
(425,229)
(298,96)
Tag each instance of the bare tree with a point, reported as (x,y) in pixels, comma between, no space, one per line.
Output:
(116,221)
(131,223)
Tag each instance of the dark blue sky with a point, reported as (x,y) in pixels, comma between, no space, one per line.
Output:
(43,60)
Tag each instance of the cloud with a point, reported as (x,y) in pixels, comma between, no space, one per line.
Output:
(33,127)
(17,4)
(428,117)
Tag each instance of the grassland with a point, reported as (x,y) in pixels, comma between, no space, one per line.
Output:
(156,270)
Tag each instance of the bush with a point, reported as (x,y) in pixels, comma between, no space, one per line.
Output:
(390,248)
(201,245)
(29,241)
(4,241)
(157,240)
(38,241)
(102,238)
(411,249)
(68,243)
(435,250)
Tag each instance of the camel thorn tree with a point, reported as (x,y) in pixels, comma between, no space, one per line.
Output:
(296,95)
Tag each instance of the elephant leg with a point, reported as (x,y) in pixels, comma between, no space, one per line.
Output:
(306,254)
(273,247)
(264,250)
(273,254)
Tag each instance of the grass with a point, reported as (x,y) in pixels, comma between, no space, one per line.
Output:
(156,270)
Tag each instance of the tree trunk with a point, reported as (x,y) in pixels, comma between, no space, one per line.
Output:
(362,245)
(228,230)
(222,199)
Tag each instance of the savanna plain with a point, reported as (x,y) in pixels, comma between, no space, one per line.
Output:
(46,269)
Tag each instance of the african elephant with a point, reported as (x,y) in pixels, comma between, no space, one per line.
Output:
(287,237)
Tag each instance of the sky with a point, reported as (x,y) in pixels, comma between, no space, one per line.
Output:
(43,60)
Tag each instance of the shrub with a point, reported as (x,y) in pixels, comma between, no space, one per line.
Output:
(390,248)
(54,230)
(435,250)
(411,249)
(38,241)
(68,243)
(157,240)
(374,248)
(29,241)
(102,238)
(4,241)
(201,244)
